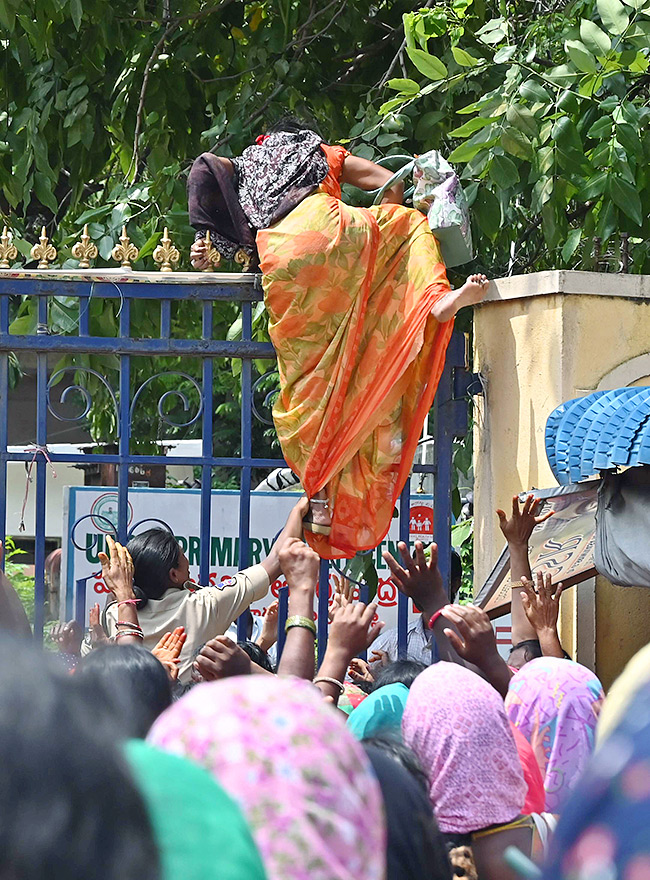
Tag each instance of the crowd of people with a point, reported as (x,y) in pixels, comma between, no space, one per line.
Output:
(159,747)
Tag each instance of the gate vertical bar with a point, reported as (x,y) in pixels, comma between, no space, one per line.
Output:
(402,600)
(41,476)
(323,607)
(206,451)
(443,443)
(4,422)
(246,452)
(124,426)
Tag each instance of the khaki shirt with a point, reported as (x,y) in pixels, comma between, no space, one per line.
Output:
(205,614)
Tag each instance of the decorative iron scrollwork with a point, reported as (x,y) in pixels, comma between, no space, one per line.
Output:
(44,252)
(8,250)
(167,395)
(84,392)
(125,252)
(261,385)
(84,250)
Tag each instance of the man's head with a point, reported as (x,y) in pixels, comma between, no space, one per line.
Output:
(524,652)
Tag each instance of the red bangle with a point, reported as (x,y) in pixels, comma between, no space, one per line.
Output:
(434,617)
(128,602)
(129,623)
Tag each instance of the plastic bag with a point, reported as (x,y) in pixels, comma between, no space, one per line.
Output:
(438,194)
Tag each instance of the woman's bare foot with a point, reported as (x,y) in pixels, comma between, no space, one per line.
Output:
(473,291)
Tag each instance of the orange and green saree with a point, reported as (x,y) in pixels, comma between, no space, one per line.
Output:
(349,293)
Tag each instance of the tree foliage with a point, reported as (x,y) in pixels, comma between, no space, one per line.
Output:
(544,109)
(542,106)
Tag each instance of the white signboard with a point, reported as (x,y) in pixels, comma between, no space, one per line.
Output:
(180,510)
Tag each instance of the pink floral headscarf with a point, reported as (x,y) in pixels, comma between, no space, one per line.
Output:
(456,724)
(555,704)
(305,785)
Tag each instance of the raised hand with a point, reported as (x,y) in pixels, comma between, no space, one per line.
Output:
(117,570)
(168,650)
(352,630)
(359,670)
(269,635)
(474,639)
(518,529)
(300,564)
(542,606)
(68,637)
(418,578)
(97,633)
(220,658)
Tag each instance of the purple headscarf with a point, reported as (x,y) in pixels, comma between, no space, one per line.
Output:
(555,704)
(456,724)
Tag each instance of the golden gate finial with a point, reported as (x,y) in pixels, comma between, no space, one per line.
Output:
(212,255)
(84,250)
(125,251)
(8,251)
(166,253)
(44,252)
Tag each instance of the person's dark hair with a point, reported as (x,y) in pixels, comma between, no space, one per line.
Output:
(398,672)
(154,553)
(524,652)
(292,124)
(127,685)
(395,749)
(456,575)
(69,806)
(256,654)
(415,846)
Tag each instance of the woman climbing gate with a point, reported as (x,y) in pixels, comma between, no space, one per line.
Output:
(360,315)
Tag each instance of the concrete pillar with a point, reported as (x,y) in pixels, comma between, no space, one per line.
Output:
(540,340)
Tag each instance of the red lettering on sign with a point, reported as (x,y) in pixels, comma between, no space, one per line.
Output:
(386,593)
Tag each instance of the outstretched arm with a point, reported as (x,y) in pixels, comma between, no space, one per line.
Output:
(293,529)
(542,607)
(517,531)
(366,175)
(300,565)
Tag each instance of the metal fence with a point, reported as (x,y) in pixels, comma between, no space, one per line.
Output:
(160,292)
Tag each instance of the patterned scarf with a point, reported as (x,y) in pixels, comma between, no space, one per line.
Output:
(456,724)
(270,179)
(303,782)
(555,704)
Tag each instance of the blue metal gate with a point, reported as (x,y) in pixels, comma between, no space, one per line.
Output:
(203,290)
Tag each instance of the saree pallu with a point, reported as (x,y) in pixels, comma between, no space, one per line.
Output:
(349,293)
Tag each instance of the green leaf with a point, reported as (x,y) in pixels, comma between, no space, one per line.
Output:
(629,139)
(43,192)
(427,64)
(516,143)
(563,75)
(386,108)
(533,91)
(522,119)
(581,56)
(595,39)
(488,212)
(469,127)
(601,129)
(503,172)
(625,197)
(542,192)
(565,134)
(465,152)
(464,58)
(76,12)
(504,54)
(614,15)
(571,244)
(406,86)
(594,187)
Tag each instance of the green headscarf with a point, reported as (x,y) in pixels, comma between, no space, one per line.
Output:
(199,830)
(380,713)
